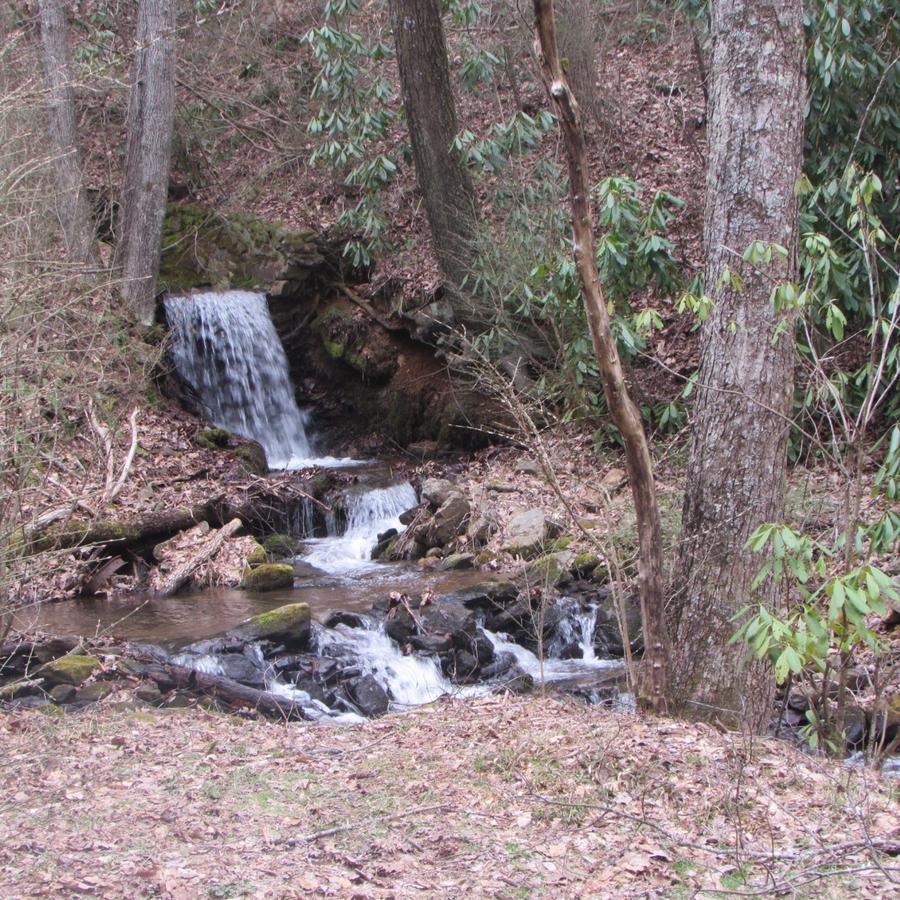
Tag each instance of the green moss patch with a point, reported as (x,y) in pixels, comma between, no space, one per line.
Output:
(269,577)
(73,669)
(289,625)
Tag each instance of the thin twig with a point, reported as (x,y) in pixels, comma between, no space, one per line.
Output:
(350,826)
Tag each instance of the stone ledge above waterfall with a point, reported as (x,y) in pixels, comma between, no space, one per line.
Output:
(204,248)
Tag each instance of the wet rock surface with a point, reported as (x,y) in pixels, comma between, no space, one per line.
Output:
(404,651)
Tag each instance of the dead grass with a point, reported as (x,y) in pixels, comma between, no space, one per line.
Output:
(501,797)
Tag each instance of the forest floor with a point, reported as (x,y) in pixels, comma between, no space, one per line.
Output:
(495,797)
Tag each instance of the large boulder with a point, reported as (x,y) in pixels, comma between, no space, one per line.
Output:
(204,247)
(482,527)
(492,594)
(368,695)
(446,617)
(436,491)
(280,546)
(239,667)
(528,532)
(449,521)
(607,634)
(288,625)
(551,570)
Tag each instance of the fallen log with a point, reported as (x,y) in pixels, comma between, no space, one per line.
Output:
(169,676)
(207,551)
(118,532)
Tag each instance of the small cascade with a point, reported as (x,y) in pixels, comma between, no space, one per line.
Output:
(573,636)
(226,347)
(587,623)
(408,680)
(368,514)
(297,519)
(551,669)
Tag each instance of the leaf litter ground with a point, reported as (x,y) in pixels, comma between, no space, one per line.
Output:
(497,797)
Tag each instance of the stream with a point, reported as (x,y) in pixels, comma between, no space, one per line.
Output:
(225,347)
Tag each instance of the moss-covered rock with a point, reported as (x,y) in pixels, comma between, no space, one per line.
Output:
(551,569)
(72,669)
(457,561)
(562,543)
(585,563)
(212,438)
(280,546)
(269,577)
(485,558)
(206,248)
(252,458)
(257,556)
(289,625)
(353,338)
(63,693)
(98,690)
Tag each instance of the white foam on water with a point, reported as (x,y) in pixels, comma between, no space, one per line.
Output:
(409,680)
(369,514)
(550,669)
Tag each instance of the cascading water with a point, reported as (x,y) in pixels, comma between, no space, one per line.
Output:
(368,514)
(409,680)
(551,669)
(574,632)
(226,347)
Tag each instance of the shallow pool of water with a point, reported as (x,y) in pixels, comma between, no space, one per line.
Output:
(184,618)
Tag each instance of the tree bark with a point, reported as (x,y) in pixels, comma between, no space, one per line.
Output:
(149,124)
(431,117)
(71,199)
(736,474)
(624,414)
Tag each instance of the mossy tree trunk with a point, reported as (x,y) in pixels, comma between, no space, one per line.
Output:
(736,475)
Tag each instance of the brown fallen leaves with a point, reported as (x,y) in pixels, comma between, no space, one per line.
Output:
(501,796)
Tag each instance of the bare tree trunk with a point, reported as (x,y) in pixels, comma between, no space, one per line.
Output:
(151,112)
(431,116)
(736,475)
(71,199)
(625,415)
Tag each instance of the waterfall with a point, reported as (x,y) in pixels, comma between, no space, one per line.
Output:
(225,346)
(369,514)
(574,631)
(552,669)
(408,680)
(587,622)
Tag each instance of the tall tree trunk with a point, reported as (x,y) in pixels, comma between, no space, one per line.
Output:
(71,199)
(736,475)
(625,415)
(431,116)
(151,111)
